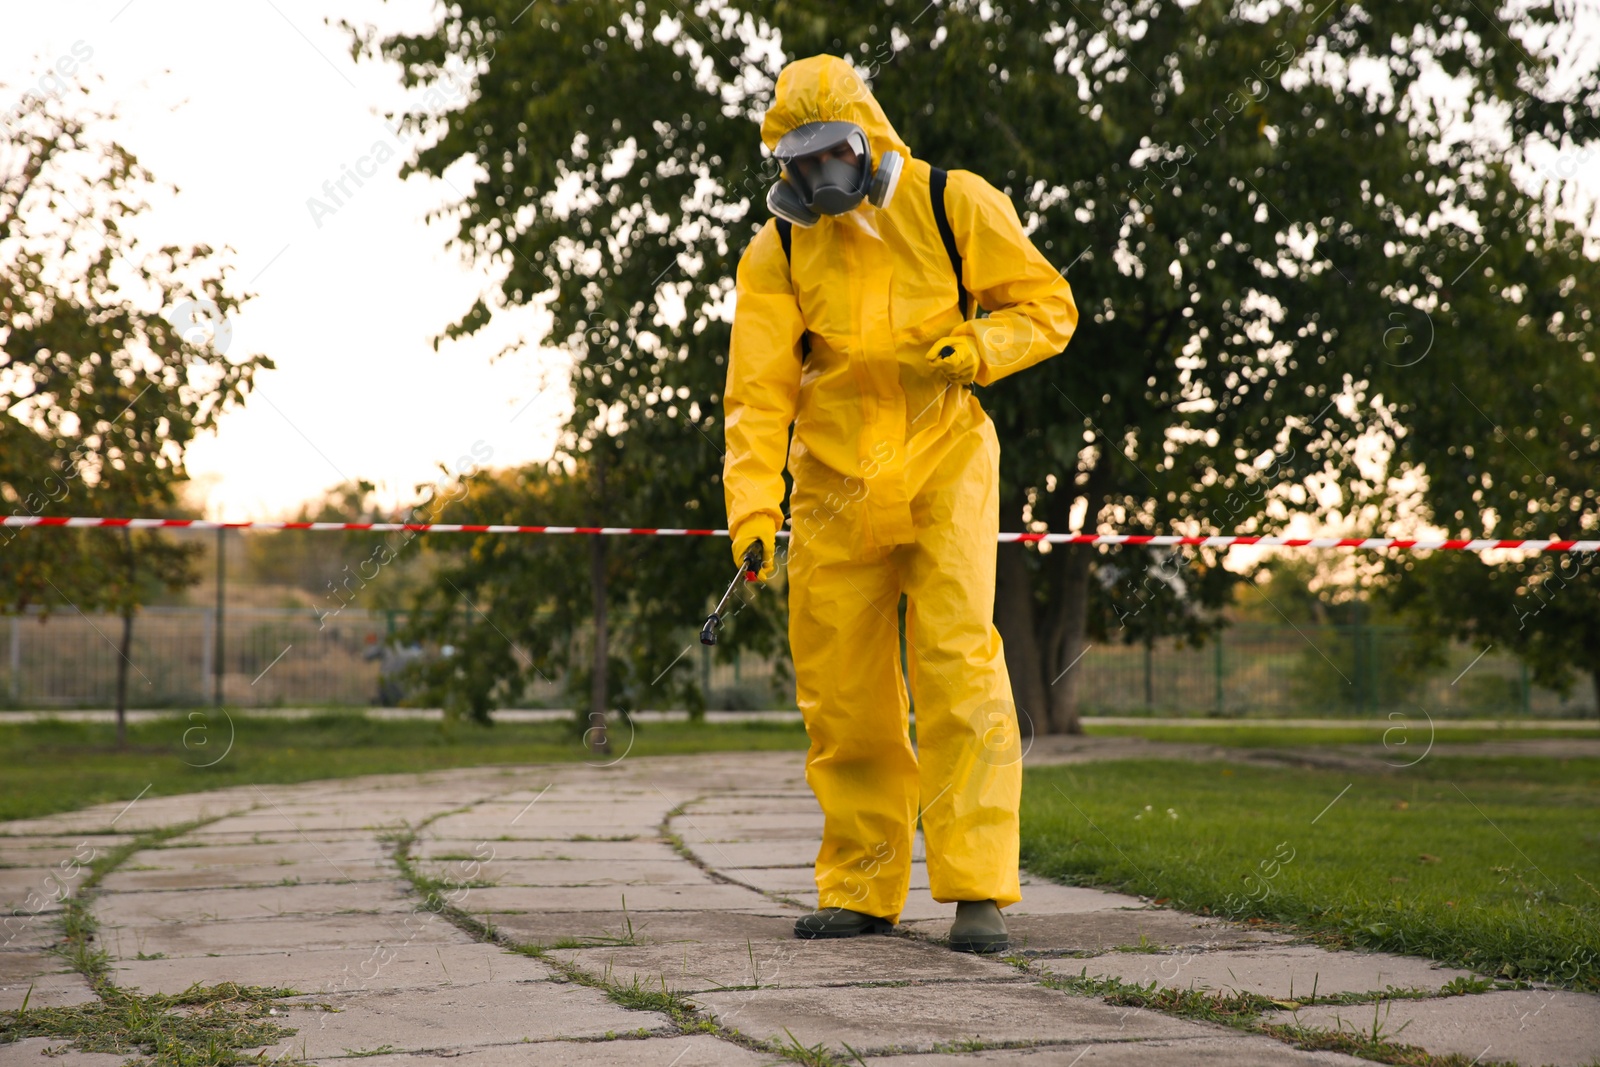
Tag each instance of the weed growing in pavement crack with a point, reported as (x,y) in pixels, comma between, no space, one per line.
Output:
(213,1025)
(1244,1011)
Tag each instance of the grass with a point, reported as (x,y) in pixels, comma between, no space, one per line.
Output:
(214,1026)
(1484,863)
(1244,1011)
(56,766)
(1406,737)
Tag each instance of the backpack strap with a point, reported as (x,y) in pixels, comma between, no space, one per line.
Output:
(936,186)
(786,238)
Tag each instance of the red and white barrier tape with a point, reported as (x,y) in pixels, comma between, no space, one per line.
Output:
(1153,540)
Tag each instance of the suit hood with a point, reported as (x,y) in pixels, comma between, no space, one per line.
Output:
(827,89)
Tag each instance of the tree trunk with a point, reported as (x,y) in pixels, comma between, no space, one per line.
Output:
(122,676)
(599,699)
(1065,646)
(1013,617)
(1072,624)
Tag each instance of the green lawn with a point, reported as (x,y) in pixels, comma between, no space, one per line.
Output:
(1487,863)
(1405,738)
(57,766)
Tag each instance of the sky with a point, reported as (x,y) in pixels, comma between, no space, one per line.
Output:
(249,108)
(255,109)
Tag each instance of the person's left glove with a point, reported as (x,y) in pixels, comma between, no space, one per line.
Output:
(955,358)
(757,528)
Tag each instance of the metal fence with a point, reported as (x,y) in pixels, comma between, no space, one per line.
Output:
(290,657)
(272,657)
(1293,670)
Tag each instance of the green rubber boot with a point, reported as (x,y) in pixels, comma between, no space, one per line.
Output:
(840,922)
(979,927)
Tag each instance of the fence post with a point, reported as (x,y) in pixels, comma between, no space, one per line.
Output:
(1527,694)
(216,656)
(1149,679)
(16,659)
(208,637)
(1217,660)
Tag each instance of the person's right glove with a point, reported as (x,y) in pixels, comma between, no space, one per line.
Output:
(757,528)
(956,358)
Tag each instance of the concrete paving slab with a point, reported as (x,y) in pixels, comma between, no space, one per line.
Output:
(372,967)
(598,832)
(789,881)
(762,803)
(457,1018)
(692,967)
(578,872)
(223,905)
(757,822)
(206,836)
(29,931)
(649,927)
(430,847)
(1101,931)
(749,854)
(605,899)
(916,1018)
(243,876)
(187,853)
(19,966)
(1037,899)
(279,934)
(1550,1028)
(720,831)
(1231,1050)
(59,990)
(18,884)
(696,1051)
(66,844)
(285,824)
(1282,972)
(1048,898)
(56,1052)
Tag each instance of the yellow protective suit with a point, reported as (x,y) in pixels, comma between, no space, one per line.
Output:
(895,471)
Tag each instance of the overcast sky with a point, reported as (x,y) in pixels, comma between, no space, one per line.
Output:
(249,107)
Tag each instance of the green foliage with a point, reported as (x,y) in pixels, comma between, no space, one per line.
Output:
(1260,248)
(1471,862)
(520,609)
(114,355)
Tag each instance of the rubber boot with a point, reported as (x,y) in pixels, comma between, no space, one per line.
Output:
(840,922)
(979,927)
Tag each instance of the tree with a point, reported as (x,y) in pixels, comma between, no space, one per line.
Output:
(114,358)
(617,225)
(1257,208)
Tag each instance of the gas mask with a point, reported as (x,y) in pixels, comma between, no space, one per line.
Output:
(828,170)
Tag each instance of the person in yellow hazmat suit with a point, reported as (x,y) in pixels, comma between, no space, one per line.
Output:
(856,325)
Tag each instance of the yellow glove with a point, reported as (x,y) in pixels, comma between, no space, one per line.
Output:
(956,358)
(756,528)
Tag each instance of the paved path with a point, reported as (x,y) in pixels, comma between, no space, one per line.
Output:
(658,876)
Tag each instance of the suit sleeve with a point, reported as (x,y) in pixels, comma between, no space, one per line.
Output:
(1032,315)
(763,383)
